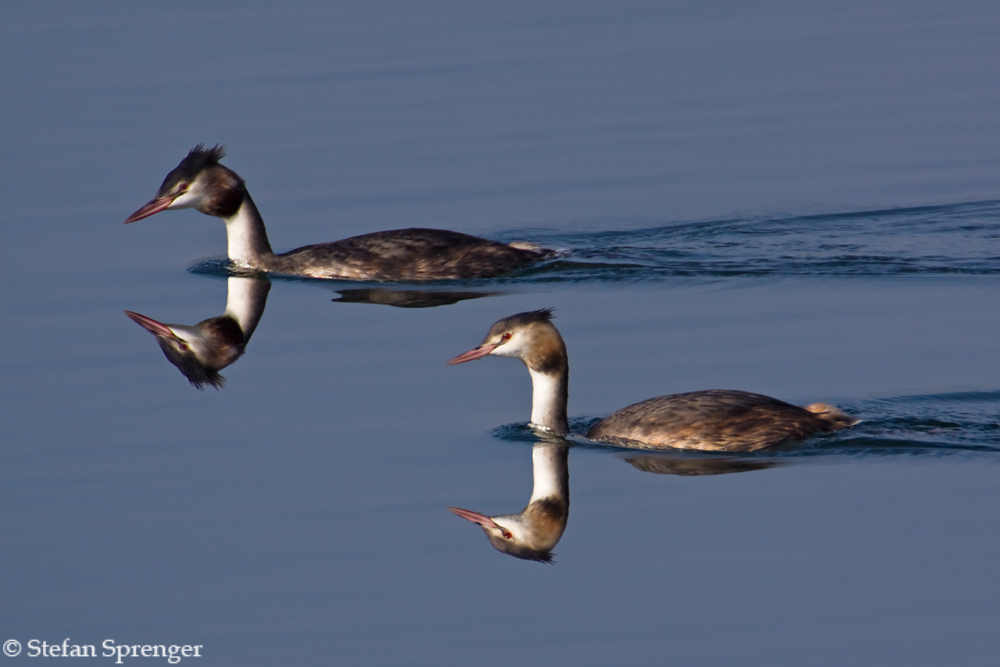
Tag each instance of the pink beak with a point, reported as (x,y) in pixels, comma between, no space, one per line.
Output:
(155,206)
(151,325)
(472,355)
(475,517)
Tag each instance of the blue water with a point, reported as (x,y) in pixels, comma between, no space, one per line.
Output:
(800,201)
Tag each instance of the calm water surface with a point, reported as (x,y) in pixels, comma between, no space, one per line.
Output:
(801,202)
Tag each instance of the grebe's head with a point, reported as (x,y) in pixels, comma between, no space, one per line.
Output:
(199,351)
(530,337)
(199,182)
(530,535)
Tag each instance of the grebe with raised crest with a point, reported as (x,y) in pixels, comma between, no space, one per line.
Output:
(712,420)
(200,182)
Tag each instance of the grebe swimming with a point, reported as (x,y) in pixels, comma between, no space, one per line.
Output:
(200,182)
(715,419)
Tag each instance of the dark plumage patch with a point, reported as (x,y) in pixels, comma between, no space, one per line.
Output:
(550,361)
(224,331)
(225,201)
(521,320)
(196,161)
(551,509)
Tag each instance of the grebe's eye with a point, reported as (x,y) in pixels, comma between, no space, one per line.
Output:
(506,337)
(507,534)
(182,187)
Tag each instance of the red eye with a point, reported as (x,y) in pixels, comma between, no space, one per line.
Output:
(507,535)
(505,337)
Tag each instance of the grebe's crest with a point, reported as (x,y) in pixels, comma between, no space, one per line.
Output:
(197,161)
(200,157)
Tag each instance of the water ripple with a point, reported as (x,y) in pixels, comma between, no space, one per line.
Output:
(962,239)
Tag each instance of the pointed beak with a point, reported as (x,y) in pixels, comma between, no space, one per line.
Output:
(151,325)
(472,355)
(155,206)
(474,517)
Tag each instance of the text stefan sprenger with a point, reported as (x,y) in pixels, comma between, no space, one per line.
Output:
(172,653)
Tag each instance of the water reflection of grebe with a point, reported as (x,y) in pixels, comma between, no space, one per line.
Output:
(202,350)
(533,532)
(407,298)
(200,182)
(716,419)
(686,466)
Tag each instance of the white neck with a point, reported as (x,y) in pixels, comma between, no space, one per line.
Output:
(548,401)
(245,302)
(551,471)
(248,244)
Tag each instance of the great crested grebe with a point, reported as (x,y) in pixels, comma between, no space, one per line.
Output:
(200,182)
(533,532)
(202,350)
(715,419)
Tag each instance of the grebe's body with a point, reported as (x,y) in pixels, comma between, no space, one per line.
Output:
(200,182)
(533,532)
(715,420)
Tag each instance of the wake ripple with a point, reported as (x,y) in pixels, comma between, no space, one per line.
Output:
(956,239)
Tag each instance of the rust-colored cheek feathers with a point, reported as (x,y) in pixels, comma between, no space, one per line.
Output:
(548,354)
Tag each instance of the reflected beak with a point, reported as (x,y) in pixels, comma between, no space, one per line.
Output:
(155,206)
(472,355)
(151,325)
(474,517)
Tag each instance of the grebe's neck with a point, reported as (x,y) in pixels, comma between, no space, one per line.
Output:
(248,244)
(549,395)
(551,472)
(245,302)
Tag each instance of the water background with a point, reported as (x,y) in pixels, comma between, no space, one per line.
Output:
(799,201)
